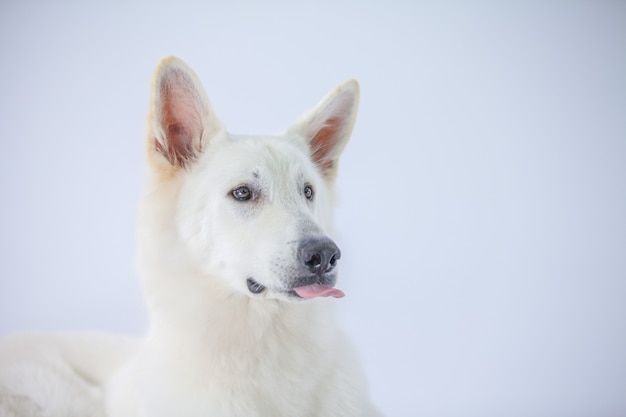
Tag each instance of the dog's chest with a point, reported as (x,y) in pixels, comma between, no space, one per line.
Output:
(268,378)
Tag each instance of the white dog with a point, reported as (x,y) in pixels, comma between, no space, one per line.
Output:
(239,273)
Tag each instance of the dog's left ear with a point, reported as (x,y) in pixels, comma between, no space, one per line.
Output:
(328,126)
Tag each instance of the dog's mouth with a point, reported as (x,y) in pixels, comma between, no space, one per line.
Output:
(306,291)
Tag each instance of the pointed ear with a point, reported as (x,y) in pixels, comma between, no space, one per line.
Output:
(181,119)
(328,126)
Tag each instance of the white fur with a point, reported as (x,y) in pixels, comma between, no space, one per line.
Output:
(58,375)
(214,348)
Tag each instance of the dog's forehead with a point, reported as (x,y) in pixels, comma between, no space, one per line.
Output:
(279,156)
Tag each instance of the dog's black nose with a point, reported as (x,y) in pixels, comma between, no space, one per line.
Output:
(319,255)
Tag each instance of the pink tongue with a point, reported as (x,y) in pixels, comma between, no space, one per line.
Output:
(316,290)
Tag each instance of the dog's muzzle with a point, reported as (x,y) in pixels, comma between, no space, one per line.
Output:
(317,260)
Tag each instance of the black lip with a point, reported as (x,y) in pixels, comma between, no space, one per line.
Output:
(254,287)
(328,280)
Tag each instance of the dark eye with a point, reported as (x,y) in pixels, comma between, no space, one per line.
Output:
(242,194)
(308,192)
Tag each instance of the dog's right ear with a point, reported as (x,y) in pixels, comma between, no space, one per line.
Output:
(181,119)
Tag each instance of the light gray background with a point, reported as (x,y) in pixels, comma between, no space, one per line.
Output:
(483,197)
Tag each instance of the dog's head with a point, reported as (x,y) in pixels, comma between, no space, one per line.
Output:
(251,211)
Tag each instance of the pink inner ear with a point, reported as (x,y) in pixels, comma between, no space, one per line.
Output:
(324,141)
(180,140)
(180,120)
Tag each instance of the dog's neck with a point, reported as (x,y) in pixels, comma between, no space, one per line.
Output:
(216,319)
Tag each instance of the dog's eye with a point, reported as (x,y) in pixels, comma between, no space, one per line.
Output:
(242,194)
(308,192)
